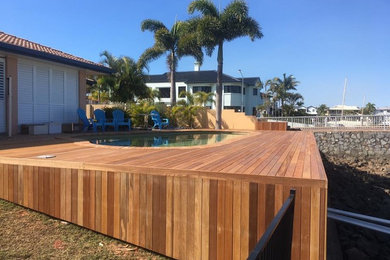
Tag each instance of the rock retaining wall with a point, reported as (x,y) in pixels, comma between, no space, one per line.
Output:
(357,148)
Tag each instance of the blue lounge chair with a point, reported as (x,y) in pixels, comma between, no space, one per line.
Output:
(87,122)
(158,122)
(119,119)
(101,120)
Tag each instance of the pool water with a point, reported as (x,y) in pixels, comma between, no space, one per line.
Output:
(158,139)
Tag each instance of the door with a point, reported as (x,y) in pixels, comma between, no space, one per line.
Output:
(2,96)
(46,93)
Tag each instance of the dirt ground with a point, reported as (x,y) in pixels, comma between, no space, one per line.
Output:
(25,234)
(360,190)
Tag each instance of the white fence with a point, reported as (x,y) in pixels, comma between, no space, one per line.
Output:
(333,122)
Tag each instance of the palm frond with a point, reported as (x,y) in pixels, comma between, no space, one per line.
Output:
(205,7)
(164,39)
(237,23)
(152,25)
(202,98)
(253,29)
(149,55)
(188,46)
(209,33)
(108,59)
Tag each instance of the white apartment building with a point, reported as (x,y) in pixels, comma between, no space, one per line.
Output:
(206,81)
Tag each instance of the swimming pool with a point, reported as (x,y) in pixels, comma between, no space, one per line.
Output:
(165,139)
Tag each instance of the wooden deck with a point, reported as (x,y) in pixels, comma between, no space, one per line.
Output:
(205,202)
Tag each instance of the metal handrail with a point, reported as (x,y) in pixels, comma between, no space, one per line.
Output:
(381,221)
(279,228)
(334,122)
(377,224)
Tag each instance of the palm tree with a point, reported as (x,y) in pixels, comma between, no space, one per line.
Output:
(369,109)
(270,96)
(202,98)
(322,110)
(186,110)
(214,28)
(127,82)
(281,88)
(295,99)
(177,42)
(99,90)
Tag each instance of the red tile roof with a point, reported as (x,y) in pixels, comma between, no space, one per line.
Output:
(23,46)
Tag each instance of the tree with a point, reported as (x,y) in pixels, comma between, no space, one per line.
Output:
(153,94)
(214,28)
(281,88)
(294,100)
(369,109)
(269,97)
(202,98)
(186,110)
(322,110)
(176,43)
(127,82)
(99,91)
(99,96)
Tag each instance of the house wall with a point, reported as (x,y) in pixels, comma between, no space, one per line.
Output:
(228,99)
(232,99)
(167,85)
(252,101)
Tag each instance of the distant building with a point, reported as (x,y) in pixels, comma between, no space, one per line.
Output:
(337,110)
(382,111)
(206,81)
(311,110)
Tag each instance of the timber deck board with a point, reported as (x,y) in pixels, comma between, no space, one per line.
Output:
(263,153)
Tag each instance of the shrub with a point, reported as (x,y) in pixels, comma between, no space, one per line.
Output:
(137,110)
(109,110)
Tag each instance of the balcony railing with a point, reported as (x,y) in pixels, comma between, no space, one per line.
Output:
(277,239)
(334,122)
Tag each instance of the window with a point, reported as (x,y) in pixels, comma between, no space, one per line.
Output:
(181,89)
(165,92)
(206,89)
(232,89)
(236,108)
(254,91)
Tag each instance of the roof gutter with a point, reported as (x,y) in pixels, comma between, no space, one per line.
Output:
(52,57)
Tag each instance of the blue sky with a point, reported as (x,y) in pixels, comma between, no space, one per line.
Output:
(319,42)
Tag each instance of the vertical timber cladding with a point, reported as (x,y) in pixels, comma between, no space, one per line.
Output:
(178,216)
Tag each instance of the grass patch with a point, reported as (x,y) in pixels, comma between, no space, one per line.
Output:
(26,234)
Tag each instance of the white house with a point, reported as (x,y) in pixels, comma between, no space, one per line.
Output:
(197,80)
(337,110)
(40,85)
(382,111)
(311,110)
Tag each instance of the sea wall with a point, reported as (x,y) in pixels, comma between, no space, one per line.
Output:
(356,148)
